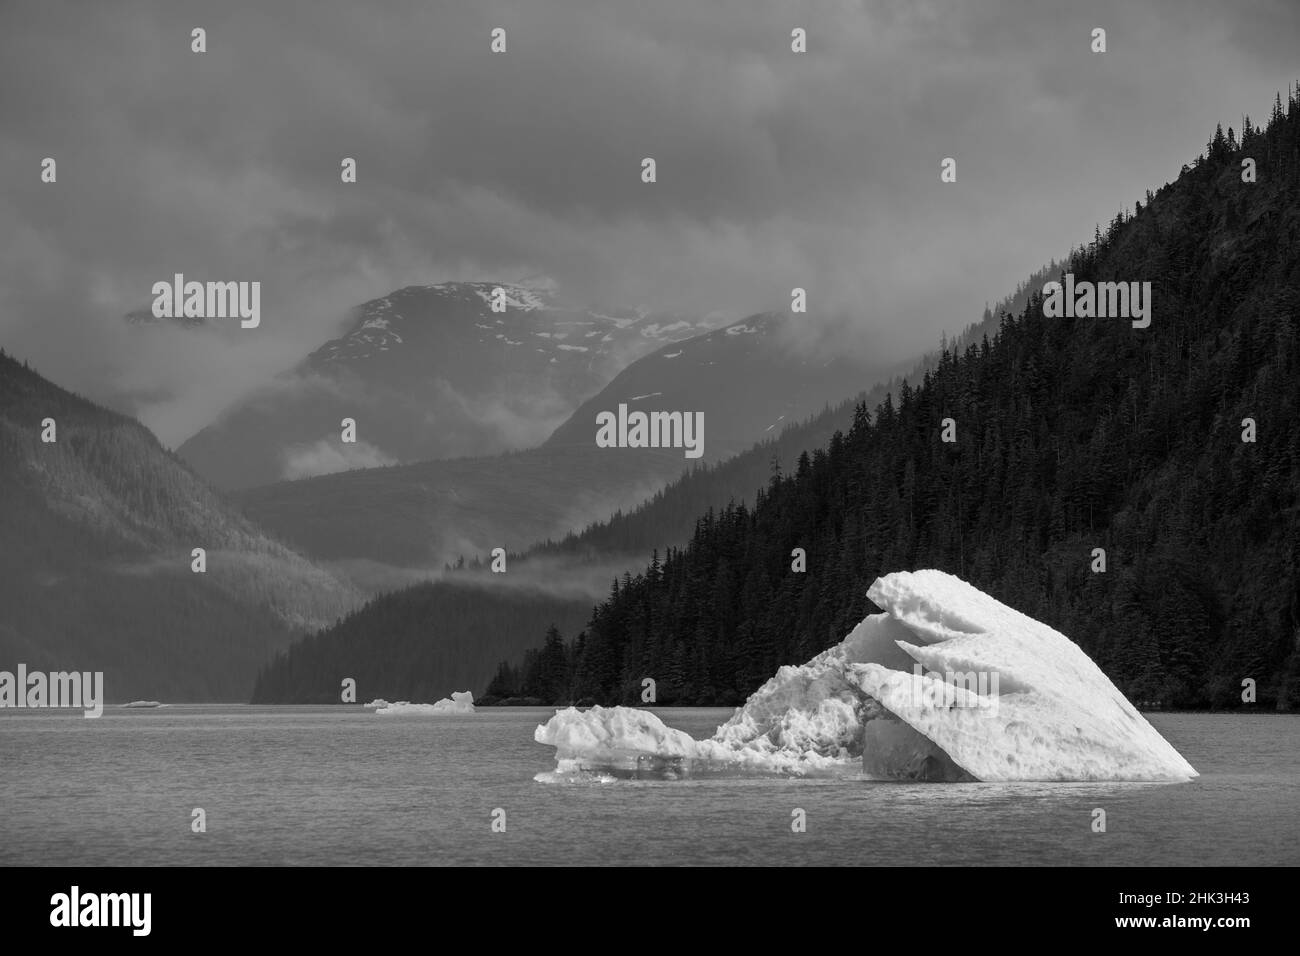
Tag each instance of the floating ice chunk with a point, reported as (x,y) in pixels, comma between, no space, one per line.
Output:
(805,720)
(143,704)
(377,702)
(618,740)
(461,702)
(1047,713)
(1057,716)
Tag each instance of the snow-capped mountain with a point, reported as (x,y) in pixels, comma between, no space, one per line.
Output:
(533,321)
(431,372)
(750,379)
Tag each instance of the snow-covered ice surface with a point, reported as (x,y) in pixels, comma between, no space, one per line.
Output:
(884,703)
(1058,717)
(460,702)
(615,741)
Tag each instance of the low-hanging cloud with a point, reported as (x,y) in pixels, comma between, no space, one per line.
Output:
(327,456)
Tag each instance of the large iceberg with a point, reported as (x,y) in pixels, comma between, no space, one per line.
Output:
(946,684)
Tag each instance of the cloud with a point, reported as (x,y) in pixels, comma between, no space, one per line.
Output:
(326,456)
(775,169)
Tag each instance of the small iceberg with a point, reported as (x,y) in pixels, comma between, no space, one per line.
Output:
(948,684)
(460,702)
(143,704)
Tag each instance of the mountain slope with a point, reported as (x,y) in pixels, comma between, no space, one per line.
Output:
(429,372)
(554,582)
(668,518)
(425,514)
(1072,434)
(420,644)
(749,380)
(383,523)
(95,574)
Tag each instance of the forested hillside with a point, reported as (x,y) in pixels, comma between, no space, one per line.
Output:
(417,644)
(1072,434)
(667,518)
(98,528)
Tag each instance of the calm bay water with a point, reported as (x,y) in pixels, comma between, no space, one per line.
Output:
(335,785)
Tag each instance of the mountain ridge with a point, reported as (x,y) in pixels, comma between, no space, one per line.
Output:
(428,372)
(100,525)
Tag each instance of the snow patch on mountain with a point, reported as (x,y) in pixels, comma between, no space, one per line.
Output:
(538,283)
(513,297)
(657,330)
(618,321)
(379,322)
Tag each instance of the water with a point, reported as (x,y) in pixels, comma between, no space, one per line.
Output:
(335,785)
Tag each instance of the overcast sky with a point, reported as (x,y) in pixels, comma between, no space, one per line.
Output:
(775,169)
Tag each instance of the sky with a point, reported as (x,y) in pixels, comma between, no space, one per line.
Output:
(775,169)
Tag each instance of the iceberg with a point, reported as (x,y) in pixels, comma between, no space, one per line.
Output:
(616,741)
(460,702)
(947,684)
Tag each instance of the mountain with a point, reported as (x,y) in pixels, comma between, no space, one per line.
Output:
(668,518)
(553,582)
(429,513)
(382,525)
(424,641)
(429,372)
(749,380)
(95,573)
(1171,448)
(550,583)
(425,514)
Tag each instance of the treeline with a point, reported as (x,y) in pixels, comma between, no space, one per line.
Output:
(419,643)
(1071,435)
